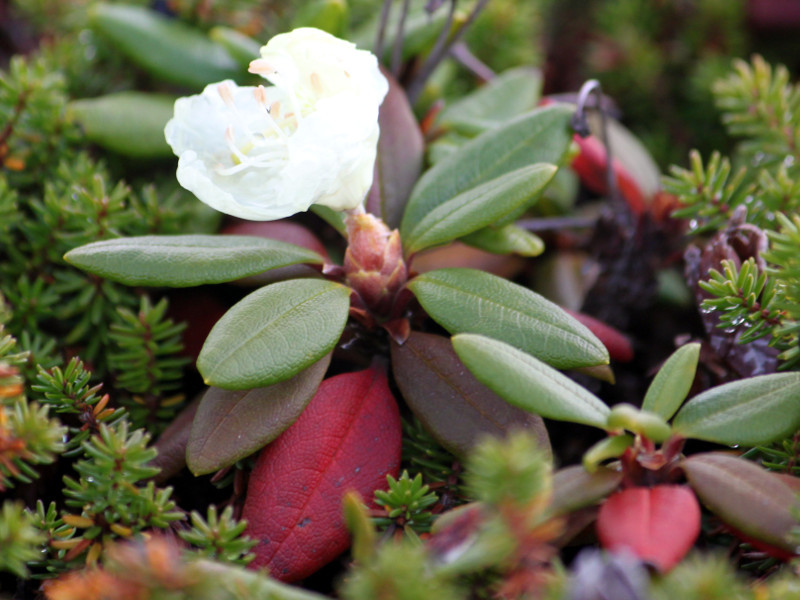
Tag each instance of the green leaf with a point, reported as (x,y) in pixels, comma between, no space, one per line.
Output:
(166,48)
(508,239)
(242,48)
(673,381)
(472,301)
(186,260)
(750,411)
(479,207)
(510,94)
(449,402)
(230,425)
(129,123)
(745,496)
(541,136)
(274,333)
(527,382)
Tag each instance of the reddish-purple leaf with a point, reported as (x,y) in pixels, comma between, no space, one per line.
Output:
(757,503)
(617,343)
(454,406)
(232,424)
(348,438)
(399,160)
(658,524)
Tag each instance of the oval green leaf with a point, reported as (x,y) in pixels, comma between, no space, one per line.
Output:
(166,48)
(479,207)
(230,425)
(186,260)
(745,496)
(472,301)
(508,95)
(750,411)
(129,123)
(673,381)
(541,136)
(449,402)
(274,333)
(508,239)
(527,382)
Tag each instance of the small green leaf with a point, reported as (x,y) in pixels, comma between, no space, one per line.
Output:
(541,136)
(274,333)
(479,207)
(230,425)
(508,239)
(129,123)
(609,447)
(527,382)
(510,94)
(166,48)
(673,381)
(186,260)
(629,417)
(745,496)
(472,301)
(750,411)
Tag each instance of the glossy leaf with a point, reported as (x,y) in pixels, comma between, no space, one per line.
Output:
(471,301)
(185,260)
(575,488)
(673,381)
(451,404)
(527,382)
(129,123)
(744,495)
(348,438)
(658,524)
(750,411)
(479,207)
(508,239)
(171,444)
(510,94)
(230,425)
(274,333)
(542,136)
(166,48)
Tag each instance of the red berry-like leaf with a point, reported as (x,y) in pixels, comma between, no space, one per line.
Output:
(348,438)
(658,524)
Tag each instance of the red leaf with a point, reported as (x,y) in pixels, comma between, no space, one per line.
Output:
(590,164)
(657,524)
(618,345)
(348,438)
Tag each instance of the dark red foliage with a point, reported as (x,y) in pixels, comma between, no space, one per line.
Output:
(657,524)
(348,438)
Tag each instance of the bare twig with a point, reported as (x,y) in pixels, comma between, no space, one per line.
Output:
(387,7)
(397,51)
(443,45)
(462,54)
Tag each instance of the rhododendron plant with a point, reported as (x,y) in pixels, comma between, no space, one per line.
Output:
(264,153)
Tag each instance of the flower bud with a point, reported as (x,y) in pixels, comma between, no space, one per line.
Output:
(374,263)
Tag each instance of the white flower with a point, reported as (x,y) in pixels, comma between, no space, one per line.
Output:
(264,153)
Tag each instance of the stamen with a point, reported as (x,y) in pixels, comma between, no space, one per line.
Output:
(261,97)
(260,66)
(229,139)
(316,84)
(275,109)
(225,93)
